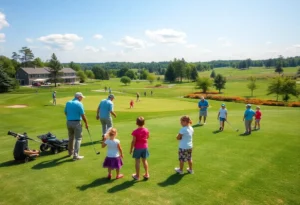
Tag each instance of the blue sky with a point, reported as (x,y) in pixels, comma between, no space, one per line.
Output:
(156,30)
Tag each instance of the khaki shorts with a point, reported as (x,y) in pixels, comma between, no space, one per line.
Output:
(203,113)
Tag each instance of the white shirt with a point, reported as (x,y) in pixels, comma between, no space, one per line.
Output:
(187,137)
(223,113)
(112,147)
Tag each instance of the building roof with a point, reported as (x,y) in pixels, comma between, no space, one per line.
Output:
(45,70)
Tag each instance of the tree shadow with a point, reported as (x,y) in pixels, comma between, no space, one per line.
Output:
(124,185)
(95,183)
(172,180)
(216,131)
(197,125)
(12,163)
(51,163)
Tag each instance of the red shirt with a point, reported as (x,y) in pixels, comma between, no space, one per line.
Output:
(257,115)
(141,135)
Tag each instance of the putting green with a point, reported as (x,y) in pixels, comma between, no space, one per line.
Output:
(121,103)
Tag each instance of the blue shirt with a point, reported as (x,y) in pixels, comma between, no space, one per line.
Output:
(204,103)
(249,113)
(105,107)
(74,109)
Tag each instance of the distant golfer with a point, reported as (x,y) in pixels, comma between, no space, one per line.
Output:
(248,117)
(137,97)
(75,112)
(105,109)
(202,105)
(222,116)
(131,104)
(145,93)
(54,97)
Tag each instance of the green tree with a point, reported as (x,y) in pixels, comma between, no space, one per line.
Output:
(8,66)
(89,74)
(204,83)
(6,83)
(151,77)
(219,82)
(38,63)
(15,56)
(55,69)
(81,75)
(126,80)
(275,87)
(131,74)
(75,66)
(289,87)
(194,72)
(179,66)
(26,57)
(252,84)
(170,73)
(99,72)
(188,71)
(143,74)
(213,74)
(122,72)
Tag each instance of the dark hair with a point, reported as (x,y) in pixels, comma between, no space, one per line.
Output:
(140,121)
(186,118)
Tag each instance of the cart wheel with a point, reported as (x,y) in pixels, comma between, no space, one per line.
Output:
(44,147)
(26,159)
(54,150)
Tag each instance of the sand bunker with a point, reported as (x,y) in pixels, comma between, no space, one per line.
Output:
(16,106)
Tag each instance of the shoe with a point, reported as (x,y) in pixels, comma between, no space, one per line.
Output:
(245,133)
(190,170)
(199,123)
(146,176)
(178,170)
(109,176)
(204,123)
(135,177)
(120,176)
(220,128)
(78,158)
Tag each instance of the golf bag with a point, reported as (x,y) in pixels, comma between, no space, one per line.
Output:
(50,141)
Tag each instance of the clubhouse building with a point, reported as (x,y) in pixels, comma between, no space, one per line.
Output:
(29,76)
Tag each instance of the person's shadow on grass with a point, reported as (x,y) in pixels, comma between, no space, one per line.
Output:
(197,125)
(11,163)
(95,183)
(216,131)
(124,185)
(171,180)
(51,163)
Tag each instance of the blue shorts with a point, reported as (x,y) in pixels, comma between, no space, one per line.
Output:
(140,153)
(222,119)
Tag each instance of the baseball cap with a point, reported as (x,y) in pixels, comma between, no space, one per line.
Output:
(111,96)
(248,105)
(79,94)
(223,105)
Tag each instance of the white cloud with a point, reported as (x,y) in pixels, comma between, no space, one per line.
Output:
(168,36)
(2,37)
(221,38)
(60,41)
(268,42)
(206,51)
(98,36)
(131,43)
(93,49)
(191,46)
(29,40)
(297,46)
(225,42)
(3,22)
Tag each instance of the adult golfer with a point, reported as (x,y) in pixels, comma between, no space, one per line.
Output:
(104,112)
(75,112)
(248,117)
(54,97)
(202,105)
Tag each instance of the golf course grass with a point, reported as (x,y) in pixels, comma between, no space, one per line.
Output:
(262,168)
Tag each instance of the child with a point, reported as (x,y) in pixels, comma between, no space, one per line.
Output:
(222,116)
(131,104)
(257,118)
(114,156)
(185,137)
(139,142)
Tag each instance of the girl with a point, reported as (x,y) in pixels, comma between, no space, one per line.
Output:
(114,153)
(257,118)
(131,104)
(185,137)
(140,144)
(222,116)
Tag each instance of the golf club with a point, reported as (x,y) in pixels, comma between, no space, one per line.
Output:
(231,126)
(92,142)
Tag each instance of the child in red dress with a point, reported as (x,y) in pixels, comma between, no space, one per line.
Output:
(131,104)
(257,118)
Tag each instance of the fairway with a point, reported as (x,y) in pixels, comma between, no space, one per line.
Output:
(146,104)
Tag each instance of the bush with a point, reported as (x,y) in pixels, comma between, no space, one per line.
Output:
(157,85)
(126,80)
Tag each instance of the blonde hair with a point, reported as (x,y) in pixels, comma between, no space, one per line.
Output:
(140,121)
(186,118)
(112,132)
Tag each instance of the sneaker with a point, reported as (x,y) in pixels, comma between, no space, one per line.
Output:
(190,170)
(204,123)
(146,176)
(119,176)
(109,176)
(78,158)
(135,177)
(199,123)
(178,170)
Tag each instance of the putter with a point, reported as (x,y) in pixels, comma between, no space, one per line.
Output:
(97,153)
(231,126)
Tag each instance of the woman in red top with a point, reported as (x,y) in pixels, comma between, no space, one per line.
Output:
(257,118)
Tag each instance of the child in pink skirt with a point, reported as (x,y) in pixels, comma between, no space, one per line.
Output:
(114,156)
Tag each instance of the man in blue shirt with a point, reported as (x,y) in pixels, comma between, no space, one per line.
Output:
(248,117)
(104,110)
(74,112)
(202,105)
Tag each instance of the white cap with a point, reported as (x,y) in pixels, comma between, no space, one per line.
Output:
(79,94)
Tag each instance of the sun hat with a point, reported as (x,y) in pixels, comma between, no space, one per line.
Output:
(223,105)
(111,96)
(79,94)
(258,107)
